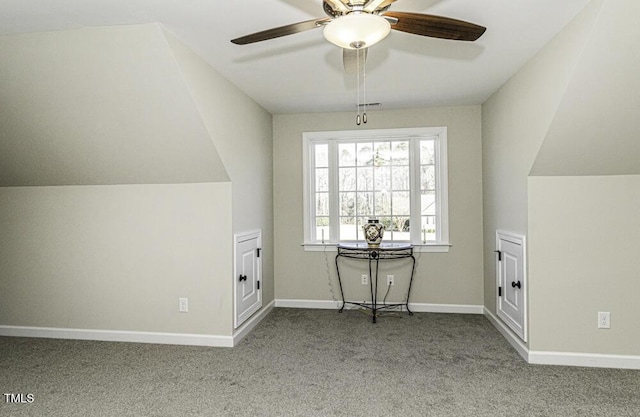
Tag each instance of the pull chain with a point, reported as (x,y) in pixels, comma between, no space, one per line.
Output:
(364,85)
(358,118)
(361,119)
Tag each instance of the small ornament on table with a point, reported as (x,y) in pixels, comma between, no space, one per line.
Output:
(373,232)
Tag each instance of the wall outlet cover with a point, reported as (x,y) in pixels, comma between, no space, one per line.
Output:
(391,280)
(604,320)
(183,305)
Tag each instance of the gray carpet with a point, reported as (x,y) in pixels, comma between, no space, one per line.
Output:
(312,363)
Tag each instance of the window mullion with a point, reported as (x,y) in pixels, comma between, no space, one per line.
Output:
(415,221)
(438,178)
(309,190)
(442,187)
(334,196)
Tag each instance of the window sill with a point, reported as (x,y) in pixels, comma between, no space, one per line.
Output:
(428,247)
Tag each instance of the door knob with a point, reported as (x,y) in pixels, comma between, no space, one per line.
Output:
(243,278)
(516,284)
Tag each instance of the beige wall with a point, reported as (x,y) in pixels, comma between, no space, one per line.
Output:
(570,112)
(122,106)
(596,127)
(99,106)
(116,257)
(515,121)
(584,251)
(241,131)
(583,229)
(441,278)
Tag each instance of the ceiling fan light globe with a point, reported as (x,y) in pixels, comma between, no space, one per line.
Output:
(357,30)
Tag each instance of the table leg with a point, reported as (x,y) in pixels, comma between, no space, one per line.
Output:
(340,284)
(373,291)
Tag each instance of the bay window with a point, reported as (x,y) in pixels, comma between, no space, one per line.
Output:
(397,176)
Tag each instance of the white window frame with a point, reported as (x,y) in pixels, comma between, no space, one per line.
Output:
(441,244)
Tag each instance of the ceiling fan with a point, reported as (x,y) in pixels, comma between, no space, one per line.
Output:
(355,25)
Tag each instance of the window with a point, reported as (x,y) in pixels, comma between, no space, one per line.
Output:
(397,176)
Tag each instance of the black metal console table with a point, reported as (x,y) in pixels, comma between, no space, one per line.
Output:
(374,255)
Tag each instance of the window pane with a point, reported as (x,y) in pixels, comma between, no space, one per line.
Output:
(401,229)
(428,232)
(348,228)
(381,153)
(388,227)
(322,179)
(347,179)
(382,178)
(365,179)
(361,221)
(383,203)
(322,155)
(365,154)
(322,228)
(365,204)
(402,203)
(428,203)
(427,152)
(400,153)
(347,154)
(428,177)
(347,204)
(428,222)
(322,204)
(401,224)
(400,179)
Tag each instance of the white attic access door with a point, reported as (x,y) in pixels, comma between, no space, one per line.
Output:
(512,283)
(247,276)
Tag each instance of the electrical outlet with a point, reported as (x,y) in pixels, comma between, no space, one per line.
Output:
(604,320)
(183,305)
(391,280)
(364,279)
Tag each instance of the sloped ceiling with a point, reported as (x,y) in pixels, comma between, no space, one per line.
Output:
(99,106)
(303,73)
(596,130)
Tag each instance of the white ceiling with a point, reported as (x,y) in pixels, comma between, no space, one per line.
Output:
(303,72)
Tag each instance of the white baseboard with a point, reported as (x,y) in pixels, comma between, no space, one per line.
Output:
(591,360)
(313,304)
(445,308)
(415,307)
(118,336)
(140,337)
(251,323)
(508,334)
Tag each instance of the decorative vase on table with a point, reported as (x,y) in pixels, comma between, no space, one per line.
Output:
(373,232)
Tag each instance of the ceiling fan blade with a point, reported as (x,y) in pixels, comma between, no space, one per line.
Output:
(281,31)
(435,26)
(374,5)
(338,5)
(354,60)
